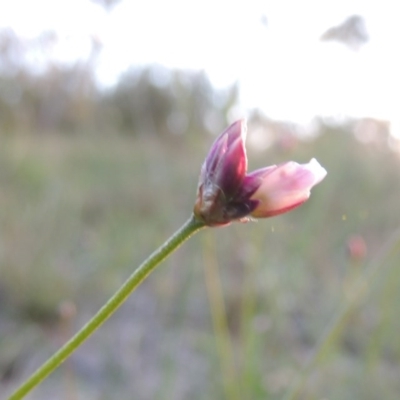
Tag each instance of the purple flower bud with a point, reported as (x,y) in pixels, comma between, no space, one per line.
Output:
(226,193)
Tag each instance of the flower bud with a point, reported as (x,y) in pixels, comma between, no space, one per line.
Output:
(226,192)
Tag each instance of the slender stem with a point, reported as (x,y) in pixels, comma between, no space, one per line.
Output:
(360,290)
(188,228)
(219,318)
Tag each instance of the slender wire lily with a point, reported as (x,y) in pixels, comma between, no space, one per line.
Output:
(225,193)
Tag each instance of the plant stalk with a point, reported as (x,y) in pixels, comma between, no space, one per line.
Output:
(191,226)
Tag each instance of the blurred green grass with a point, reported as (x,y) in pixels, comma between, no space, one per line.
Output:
(79,213)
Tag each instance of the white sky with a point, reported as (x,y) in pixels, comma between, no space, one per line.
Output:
(282,67)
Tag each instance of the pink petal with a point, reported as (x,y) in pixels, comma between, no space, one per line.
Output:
(236,132)
(232,167)
(285,187)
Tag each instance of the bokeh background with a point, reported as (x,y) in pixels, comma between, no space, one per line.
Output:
(107,110)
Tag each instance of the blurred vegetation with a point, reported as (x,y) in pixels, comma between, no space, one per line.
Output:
(237,311)
(41,95)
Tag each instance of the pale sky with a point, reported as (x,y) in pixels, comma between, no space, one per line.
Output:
(281,65)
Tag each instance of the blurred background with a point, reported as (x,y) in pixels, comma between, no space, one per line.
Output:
(107,110)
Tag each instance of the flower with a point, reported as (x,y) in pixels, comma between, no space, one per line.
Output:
(226,192)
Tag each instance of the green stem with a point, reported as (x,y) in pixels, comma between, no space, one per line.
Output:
(187,229)
(359,291)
